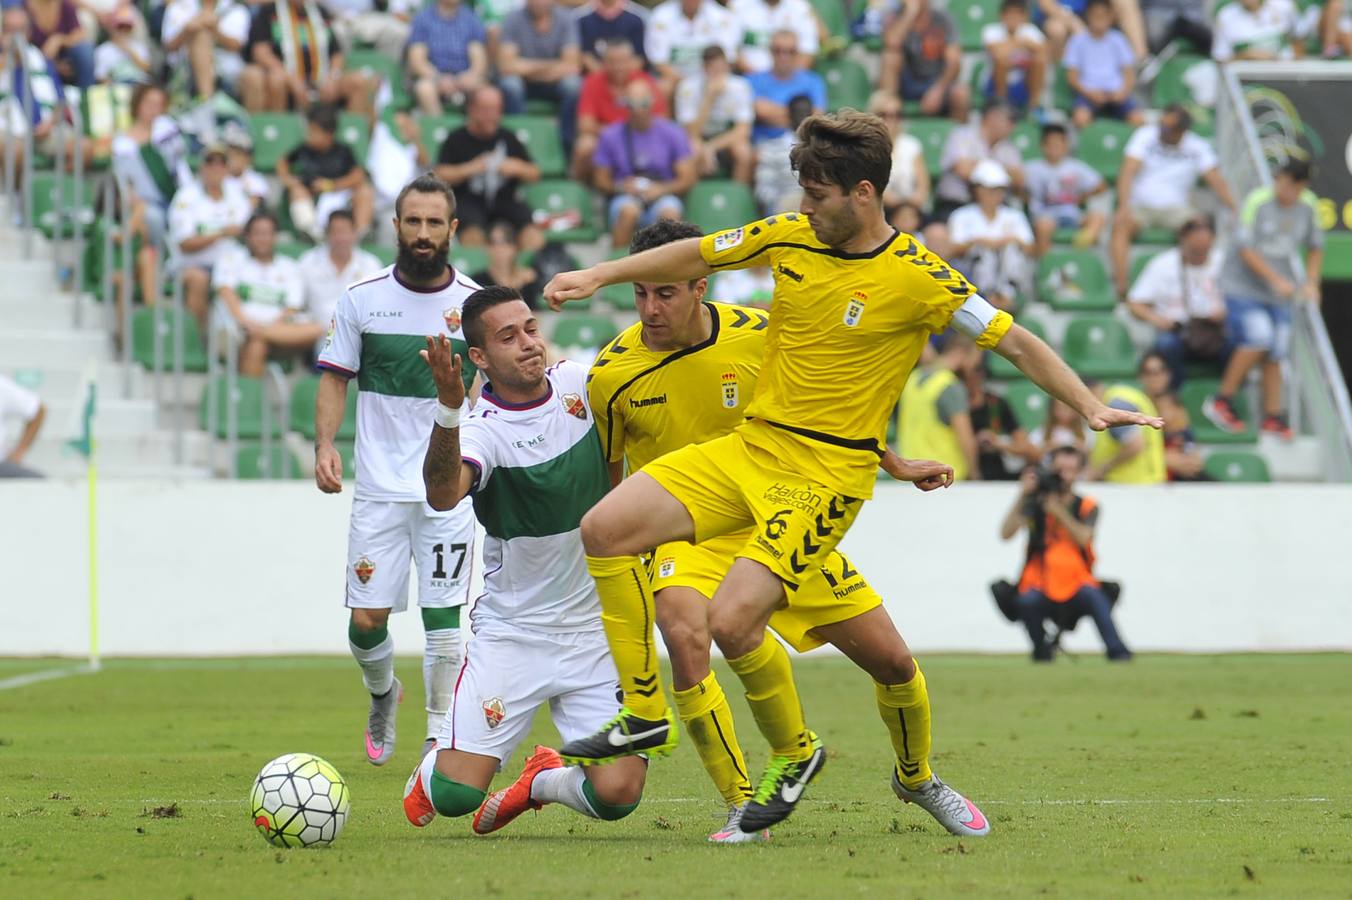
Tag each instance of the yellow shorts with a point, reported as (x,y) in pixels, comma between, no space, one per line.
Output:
(836,593)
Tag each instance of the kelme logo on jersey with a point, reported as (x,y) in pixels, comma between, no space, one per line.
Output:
(452,316)
(854,310)
(667,567)
(730,394)
(363,569)
(494,711)
(574,405)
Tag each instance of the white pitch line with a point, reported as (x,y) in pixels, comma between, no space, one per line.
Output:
(19,681)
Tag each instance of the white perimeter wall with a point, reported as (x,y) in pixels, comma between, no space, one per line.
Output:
(214,568)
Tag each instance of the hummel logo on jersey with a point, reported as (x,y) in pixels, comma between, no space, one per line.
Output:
(790,273)
(618,738)
(659,400)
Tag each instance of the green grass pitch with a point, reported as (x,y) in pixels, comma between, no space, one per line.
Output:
(1170,777)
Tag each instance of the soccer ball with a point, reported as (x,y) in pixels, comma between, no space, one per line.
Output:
(299,800)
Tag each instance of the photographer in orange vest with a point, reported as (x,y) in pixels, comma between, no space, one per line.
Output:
(1058,574)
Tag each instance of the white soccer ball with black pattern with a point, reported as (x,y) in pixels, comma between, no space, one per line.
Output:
(299,800)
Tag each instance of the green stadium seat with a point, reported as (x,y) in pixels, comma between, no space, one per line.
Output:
(250,395)
(1237,466)
(469,260)
(557,196)
(1194,393)
(381,251)
(1171,86)
(1030,405)
(617,296)
(354,129)
(143,340)
(274,136)
(1063,98)
(302,415)
(540,134)
(1074,281)
(1157,236)
(250,462)
(288,244)
(717,204)
(932,134)
(1099,346)
(1138,264)
(832,14)
(377,63)
(998,366)
(53,201)
(970,16)
(583,330)
(1101,145)
(1027,137)
(847,83)
(434,130)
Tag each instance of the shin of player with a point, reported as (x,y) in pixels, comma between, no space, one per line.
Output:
(528,458)
(378,325)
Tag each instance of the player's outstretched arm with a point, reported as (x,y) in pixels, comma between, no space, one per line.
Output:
(677,261)
(1049,372)
(926,474)
(445,479)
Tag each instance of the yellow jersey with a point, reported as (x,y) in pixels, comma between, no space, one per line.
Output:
(1146,467)
(648,402)
(846,329)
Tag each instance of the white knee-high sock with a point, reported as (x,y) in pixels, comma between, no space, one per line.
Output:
(442,655)
(377,665)
(562,786)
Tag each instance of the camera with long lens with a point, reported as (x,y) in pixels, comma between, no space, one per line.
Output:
(1048,483)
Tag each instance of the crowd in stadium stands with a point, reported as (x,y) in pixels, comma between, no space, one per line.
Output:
(992,160)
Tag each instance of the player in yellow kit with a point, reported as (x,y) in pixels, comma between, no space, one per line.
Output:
(855,301)
(685,373)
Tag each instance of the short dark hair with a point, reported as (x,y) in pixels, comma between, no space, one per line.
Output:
(1021,5)
(344,214)
(1297,170)
(1195,221)
(323,116)
(426,183)
(476,304)
(844,148)
(1093,3)
(1052,128)
(712,52)
(262,214)
(1181,112)
(998,106)
(1149,355)
(664,231)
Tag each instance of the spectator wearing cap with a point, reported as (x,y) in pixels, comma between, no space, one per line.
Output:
(1278,225)
(604,22)
(487,164)
(602,101)
(716,109)
(207,37)
(679,30)
(644,166)
(205,219)
(968,145)
(447,55)
(1017,54)
(909,182)
(239,162)
(322,175)
(922,60)
(785,80)
(540,57)
(1059,188)
(123,58)
(760,19)
(18,403)
(991,242)
(1101,70)
(1160,165)
(1178,293)
(292,55)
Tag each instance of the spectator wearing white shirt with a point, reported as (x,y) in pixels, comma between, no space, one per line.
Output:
(1160,165)
(362,22)
(262,295)
(239,162)
(967,146)
(1257,29)
(1017,53)
(123,58)
(1059,186)
(17,402)
(329,268)
(207,36)
(909,182)
(679,30)
(991,242)
(760,19)
(716,108)
(206,217)
(1179,294)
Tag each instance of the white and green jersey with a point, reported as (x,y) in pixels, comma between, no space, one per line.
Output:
(378,327)
(538,467)
(266,290)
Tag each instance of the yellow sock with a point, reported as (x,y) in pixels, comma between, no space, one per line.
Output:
(773,697)
(627,616)
(905,710)
(708,720)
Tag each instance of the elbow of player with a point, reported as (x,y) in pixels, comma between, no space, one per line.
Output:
(439,498)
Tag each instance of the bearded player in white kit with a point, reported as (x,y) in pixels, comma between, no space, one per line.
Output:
(378,327)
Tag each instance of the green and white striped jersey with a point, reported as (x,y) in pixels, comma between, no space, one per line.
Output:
(539,468)
(378,327)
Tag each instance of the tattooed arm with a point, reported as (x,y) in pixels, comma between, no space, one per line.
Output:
(445,479)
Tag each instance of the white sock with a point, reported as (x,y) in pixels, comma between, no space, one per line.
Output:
(377,665)
(562,786)
(441,662)
(425,768)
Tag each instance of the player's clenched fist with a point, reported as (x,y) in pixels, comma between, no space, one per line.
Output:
(445,366)
(565,286)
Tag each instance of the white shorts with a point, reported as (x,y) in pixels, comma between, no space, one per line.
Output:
(506,677)
(384,536)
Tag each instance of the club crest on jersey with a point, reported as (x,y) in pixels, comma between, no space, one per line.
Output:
(574,405)
(667,567)
(494,711)
(364,569)
(730,394)
(854,310)
(452,316)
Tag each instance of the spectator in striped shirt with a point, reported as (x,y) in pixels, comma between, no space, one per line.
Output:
(447,57)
